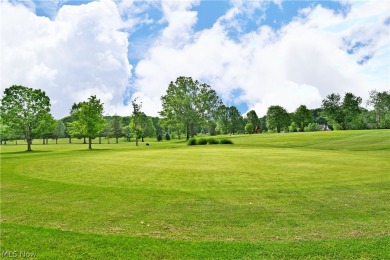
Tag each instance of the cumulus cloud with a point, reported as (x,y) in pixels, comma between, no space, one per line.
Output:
(81,52)
(300,63)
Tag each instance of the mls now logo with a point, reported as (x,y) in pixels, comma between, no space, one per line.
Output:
(15,254)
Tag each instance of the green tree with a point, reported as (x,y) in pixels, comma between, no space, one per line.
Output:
(277,118)
(89,120)
(189,103)
(229,120)
(303,117)
(116,127)
(263,123)
(157,126)
(66,121)
(23,109)
(136,120)
(254,119)
(127,132)
(223,120)
(381,103)
(5,133)
(249,128)
(60,131)
(145,127)
(107,131)
(46,127)
(341,113)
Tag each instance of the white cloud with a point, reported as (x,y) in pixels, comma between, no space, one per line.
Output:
(81,52)
(299,64)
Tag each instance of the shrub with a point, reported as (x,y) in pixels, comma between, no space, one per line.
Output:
(167,137)
(159,138)
(293,127)
(191,141)
(212,141)
(225,141)
(312,127)
(202,141)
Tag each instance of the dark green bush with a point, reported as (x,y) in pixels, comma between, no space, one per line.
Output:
(202,141)
(159,138)
(167,137)
(225,141)
(212,141)
(191,141)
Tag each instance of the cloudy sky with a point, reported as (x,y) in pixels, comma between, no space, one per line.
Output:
(253,53)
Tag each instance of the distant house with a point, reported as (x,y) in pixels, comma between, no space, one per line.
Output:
(325,128)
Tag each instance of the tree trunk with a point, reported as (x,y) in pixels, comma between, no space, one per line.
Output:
(117,139)
(377,119)
(70,139)
(29,141)
(89,143)
(47,140)
(100,140)
(142,139)
(43,140)
(28,138)
(188,132)
(56,140)
(108,140)
(85,141)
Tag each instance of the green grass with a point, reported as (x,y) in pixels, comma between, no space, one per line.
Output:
(299,195)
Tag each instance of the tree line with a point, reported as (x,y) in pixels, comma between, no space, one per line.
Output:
(188,108)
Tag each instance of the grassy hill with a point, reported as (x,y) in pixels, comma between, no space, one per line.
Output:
(296,195)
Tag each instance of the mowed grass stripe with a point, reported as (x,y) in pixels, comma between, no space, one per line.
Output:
(54,244)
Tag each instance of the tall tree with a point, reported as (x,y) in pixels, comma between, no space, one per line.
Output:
(303,117)
(189,103)
(116,127)
(229,119)
(157,126)
(24,108)
(381,103)
(236,122)
(277,118)
(341,113)
(89,120)
(254,119)
(147,127)
(223,119)
(136,120)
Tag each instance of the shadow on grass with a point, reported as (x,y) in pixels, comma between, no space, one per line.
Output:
(26,152)
(93,150)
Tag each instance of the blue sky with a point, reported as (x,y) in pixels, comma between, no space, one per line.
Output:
(254,53)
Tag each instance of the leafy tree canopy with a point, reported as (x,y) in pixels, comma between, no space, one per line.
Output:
(25,109)
(277,118)
(88,119)
(189,103)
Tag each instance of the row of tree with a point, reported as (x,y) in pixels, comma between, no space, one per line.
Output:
(188,108)
(190,105)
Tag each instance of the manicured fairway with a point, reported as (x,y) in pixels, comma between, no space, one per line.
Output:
(296,195)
